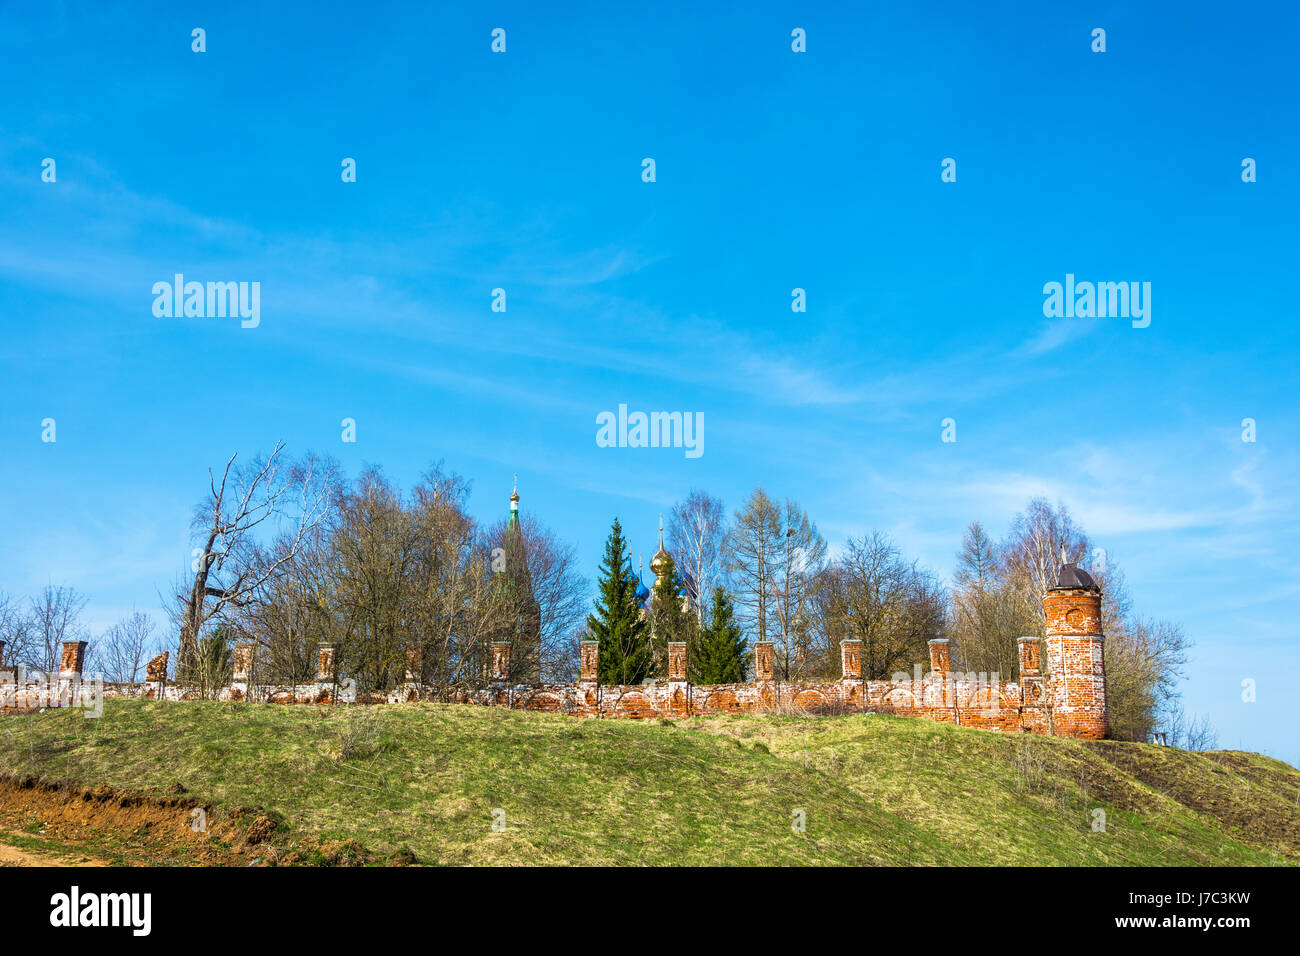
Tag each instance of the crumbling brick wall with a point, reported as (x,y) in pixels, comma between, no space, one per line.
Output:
(1069,700)
(972,700)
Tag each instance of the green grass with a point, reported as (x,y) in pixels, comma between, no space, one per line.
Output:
(874,789)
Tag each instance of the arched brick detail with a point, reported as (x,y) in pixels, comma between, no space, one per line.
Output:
(809,699)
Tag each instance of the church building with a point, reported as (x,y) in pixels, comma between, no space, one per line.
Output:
(513,585)
(659,567)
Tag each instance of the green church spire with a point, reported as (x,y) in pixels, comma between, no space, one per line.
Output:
(514,504)
(513,586)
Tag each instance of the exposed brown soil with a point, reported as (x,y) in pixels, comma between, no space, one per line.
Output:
(14,856)
(130,828)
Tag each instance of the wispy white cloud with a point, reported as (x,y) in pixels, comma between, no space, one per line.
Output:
(1053,334)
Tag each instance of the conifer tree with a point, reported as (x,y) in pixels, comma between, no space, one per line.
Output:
(721,652)
(624,656)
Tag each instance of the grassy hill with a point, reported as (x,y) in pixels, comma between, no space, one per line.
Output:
(294,784)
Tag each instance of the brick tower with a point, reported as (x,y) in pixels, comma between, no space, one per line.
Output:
(1077,679)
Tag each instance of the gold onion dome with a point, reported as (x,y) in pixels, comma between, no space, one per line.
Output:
(660,560)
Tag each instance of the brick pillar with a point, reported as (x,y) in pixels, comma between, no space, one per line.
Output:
(1031,673)
(414,664)
(939,691)
(501,660)
(155,674)
(590,657)
(72,660)
(851,687)
(588,702)
(156,669)
(244,661)
(1029,663)
(851,658)
(679,688)
(1076,661)
(325,672)
(765,673)
(940,660)
(677,661)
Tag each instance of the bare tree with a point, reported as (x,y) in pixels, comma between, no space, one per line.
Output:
(16,633)
(873,594)
(374,559)
(409,585)
(54,619)
(697,530)
(456,610)
(978,559)
(227,570)
(1145,660)
(989,613)
(753,549)
(1039,536)
(1188,733)
(124,646)
(565,665)
(292,614)
(800,557)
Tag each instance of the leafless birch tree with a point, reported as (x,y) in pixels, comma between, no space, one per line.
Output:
(124,646)
(269,494)
(801,556)
(697,530)
(753,548)
(55,617)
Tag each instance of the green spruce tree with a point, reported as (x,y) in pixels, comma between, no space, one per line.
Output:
(624,656)
(722,651)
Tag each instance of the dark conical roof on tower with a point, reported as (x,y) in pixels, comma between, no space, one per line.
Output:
(1072,576)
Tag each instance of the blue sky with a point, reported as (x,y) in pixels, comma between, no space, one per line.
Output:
(775,170)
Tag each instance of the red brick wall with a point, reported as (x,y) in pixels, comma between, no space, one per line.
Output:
(1070,700)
